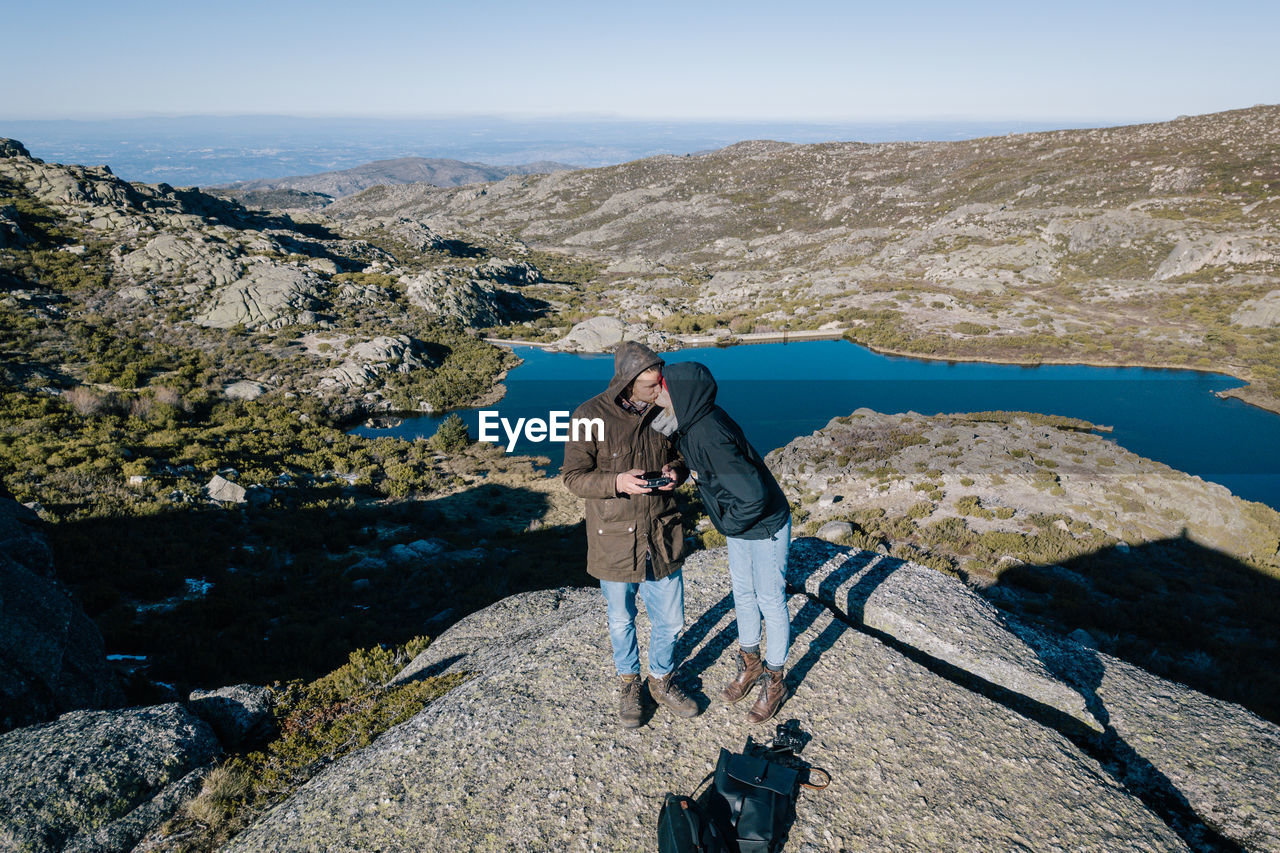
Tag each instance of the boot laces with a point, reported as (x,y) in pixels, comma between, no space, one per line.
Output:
(671,689)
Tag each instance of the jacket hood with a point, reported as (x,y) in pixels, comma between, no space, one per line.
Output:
(692,390)
(629,361)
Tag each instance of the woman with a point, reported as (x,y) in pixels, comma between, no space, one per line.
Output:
(745,503)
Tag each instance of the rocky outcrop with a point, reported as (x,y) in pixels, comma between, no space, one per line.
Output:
(921,720)
(239,715)
(1243,250)
(457,294)
(99,780)
(600,334)
(1165,737)
(267,297)
(51,654)
(508,272)
(172,257)
(1261,313)
(366,361)
(13,148)
(1014,463)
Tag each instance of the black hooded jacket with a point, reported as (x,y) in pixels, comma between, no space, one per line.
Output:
(738,492)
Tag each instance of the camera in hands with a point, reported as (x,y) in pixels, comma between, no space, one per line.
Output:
(655,479)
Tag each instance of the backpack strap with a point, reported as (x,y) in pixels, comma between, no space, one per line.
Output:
(809,784)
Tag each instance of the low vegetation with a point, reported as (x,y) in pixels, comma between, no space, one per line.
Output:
(316,723)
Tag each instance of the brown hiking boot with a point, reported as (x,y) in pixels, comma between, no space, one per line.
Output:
(773,692)
(629,701)
(750,668)
(665,691)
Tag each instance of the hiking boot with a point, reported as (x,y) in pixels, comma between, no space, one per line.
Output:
(750,668)
(629,701)
(773,692)
(665,691)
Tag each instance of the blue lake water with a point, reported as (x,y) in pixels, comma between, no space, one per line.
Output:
(780,391)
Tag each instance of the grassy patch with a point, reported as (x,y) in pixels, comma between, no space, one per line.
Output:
(317,723)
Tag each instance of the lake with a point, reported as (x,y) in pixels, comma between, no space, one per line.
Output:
(780,391)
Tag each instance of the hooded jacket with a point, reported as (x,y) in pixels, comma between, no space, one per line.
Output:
(739,493)
(622,528)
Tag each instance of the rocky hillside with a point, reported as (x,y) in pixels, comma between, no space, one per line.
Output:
(172,274)
(328,186)
(1151,244)
(940,719)
(1062,527)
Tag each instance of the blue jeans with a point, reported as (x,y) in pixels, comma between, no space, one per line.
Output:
(758,568)
(664,602)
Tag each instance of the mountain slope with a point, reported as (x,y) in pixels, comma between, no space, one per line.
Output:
(1150,244)
(436,171)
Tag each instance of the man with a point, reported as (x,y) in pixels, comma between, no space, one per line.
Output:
(635,541)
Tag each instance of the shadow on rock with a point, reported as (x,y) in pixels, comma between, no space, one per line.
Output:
(1173,607)
(1185,755)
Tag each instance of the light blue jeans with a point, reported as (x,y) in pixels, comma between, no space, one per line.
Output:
(664,602)
(758,568)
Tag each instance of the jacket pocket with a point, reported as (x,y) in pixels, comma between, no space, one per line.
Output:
(611,547)
(671,535)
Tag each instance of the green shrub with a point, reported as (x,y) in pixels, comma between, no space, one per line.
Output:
(920,509)
(972,505)
(952,532)
(451,435)
(712,538)
(317,724)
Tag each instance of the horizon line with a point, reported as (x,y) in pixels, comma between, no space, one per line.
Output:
(605,118)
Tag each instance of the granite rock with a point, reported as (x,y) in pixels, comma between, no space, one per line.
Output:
(99,780)
(925,753)
(51,654)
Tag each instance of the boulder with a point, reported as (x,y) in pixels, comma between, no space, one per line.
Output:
(222,490)
(99,780)
(509,272)
(925,754)
(239,714)
(244,390)
(51,654)
(835,531)
(11,233)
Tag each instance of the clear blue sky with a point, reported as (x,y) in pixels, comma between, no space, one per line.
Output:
(788,59)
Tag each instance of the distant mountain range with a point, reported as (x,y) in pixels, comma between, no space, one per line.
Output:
(217,150)
(312,191)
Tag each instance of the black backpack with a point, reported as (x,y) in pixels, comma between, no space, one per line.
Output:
(751,804)
(683,827)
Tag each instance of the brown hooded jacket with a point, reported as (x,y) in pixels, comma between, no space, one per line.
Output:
(622,528)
